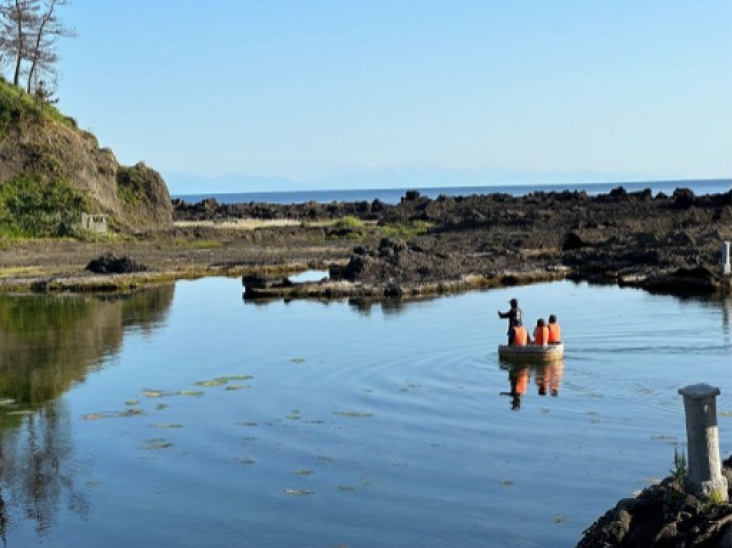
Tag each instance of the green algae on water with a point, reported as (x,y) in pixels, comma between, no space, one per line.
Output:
(298,492)
(213,382)
(194,393)
(157,443)
(353,414)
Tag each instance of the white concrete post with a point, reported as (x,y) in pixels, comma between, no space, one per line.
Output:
(704,474)
(725,261)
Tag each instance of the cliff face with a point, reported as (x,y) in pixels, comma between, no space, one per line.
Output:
(40,142)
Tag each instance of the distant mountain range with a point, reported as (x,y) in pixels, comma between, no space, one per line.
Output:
(408,177)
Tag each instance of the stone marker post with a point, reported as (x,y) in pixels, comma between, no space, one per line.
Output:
(725,261)
(704,474)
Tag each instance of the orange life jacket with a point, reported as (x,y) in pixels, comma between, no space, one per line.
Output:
(541,335)
(520,336)
(554,333)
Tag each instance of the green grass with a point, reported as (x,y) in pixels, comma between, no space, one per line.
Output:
(406,231)
(18,107)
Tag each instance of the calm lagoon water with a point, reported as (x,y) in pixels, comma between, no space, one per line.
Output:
(184,416)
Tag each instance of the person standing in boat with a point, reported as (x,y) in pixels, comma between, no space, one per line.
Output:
(541,333)
(515,318)
(555,333)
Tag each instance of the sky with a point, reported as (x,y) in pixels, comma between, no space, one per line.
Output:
(336,93)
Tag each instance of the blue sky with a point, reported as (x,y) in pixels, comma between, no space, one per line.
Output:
(329,92)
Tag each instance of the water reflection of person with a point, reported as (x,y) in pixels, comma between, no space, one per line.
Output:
(518,378)
(549,378)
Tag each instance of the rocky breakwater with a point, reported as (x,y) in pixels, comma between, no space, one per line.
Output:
(664,243)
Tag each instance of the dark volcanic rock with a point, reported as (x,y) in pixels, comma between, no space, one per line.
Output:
(656,241)
(110,264)
(663,515)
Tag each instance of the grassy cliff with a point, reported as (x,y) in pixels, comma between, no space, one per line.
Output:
(51,172)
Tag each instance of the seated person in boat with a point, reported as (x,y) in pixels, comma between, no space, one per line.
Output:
(518,336)
(514,316)
(541,333)
(554,330)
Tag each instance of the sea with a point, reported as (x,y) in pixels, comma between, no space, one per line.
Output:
(394,195)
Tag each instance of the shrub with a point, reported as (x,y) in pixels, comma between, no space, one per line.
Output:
(33,207)
(348,222)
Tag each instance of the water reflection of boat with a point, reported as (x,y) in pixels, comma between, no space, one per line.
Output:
(548,378)
(531,353)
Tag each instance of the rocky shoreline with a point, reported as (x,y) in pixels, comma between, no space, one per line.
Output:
(667,244)
(664,515)
(418,247)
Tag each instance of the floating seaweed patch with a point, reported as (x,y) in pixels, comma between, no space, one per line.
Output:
(132,403)
(303,472)
(353,414)
(114,414)
(165,425)
(663,437)
(151,393)
(194,393)
(157,443)
(247,461)
(161,406)
(95,416)
(238,387)
(506,483)
(219,381)
(247,423)
(559,518)
(297,360)
(346,488)
(237,377)
(725,414)
(131,412)
(298,492)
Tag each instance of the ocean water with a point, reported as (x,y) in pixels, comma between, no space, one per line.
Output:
(393,195)
(185,416)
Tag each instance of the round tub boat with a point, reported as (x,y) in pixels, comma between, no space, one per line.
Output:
(532,353)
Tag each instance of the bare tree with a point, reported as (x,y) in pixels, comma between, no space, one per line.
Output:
(29,31)
(42,56)
(17,18)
